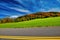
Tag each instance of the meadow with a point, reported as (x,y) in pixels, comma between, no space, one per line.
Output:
(44,22)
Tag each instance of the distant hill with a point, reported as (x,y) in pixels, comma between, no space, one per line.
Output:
(38,15)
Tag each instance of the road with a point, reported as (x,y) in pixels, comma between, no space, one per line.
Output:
(43,31)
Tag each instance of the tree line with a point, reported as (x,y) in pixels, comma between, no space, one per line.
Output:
(30,17)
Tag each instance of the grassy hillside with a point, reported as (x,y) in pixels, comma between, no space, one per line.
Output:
(31,16)
(53,21)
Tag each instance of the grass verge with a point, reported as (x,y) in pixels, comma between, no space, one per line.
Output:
(45,22)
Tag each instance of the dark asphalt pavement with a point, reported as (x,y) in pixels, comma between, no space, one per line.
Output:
(43,31)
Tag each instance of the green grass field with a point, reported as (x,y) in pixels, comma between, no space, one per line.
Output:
(45,22)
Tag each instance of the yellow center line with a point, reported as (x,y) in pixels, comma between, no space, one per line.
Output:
(30,37)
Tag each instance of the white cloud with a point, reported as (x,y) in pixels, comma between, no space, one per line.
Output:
(14,16)
(21,10)
(43,10)
(58,0)
(54,10)
(51,10)
(6,14)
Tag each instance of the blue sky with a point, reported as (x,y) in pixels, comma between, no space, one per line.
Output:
(15,8)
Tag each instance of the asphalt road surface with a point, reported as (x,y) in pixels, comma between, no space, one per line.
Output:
(43,31)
